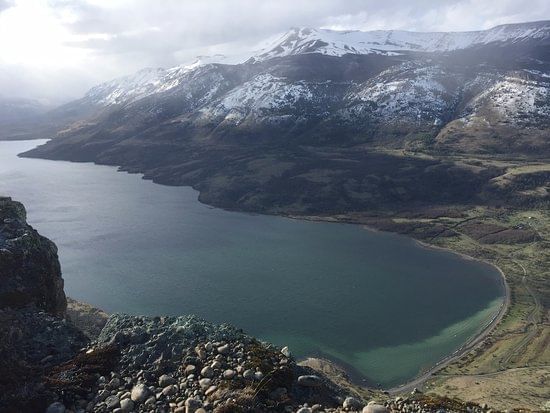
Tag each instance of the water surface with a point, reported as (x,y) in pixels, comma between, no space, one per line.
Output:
(375,301)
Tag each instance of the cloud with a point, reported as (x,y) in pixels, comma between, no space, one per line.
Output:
(106,38)
(5,4)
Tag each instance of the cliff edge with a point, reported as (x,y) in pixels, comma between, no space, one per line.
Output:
(30,274)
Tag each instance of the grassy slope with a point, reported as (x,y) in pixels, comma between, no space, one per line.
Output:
(512,367)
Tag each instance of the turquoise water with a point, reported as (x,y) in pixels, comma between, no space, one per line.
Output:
(375,302)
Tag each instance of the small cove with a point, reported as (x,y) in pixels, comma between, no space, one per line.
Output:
(376,301)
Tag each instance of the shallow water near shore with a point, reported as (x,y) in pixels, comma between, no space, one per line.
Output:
(376,301)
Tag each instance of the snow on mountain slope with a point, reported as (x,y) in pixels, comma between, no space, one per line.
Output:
(513,99)
(126,88)
(407,92)
(391,42)
(302,41)
(266,91)
(268,98)
(141,84)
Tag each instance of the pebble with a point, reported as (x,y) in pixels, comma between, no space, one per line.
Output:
(56,407)
(114,383)
(309,381)
(150,401)
(223,349)
(170,390)
(210,390)
(102,395)
(192,405)
(229,374)
(166,380)
(205,383)
(127,405)
(374,407)
(111,402)
(201,352)
(248,374)
(207,372)
(285,351)
(258,375)
(352,403)
(140,392)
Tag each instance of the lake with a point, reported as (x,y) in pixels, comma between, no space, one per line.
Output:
(376,302)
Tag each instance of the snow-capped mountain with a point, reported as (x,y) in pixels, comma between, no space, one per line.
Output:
(304,41)
(389,42)
(317,86)
(313,123)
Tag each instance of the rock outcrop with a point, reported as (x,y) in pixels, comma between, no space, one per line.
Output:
(30,274)
(33,334)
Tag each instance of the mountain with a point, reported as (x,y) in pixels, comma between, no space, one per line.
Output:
(19,117)
(324,112)
(391,42)
(16,109)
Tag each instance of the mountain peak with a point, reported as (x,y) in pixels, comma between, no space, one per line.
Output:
(302,40)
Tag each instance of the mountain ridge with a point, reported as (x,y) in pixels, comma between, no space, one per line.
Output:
(245,135)
(338,43)
(155,80)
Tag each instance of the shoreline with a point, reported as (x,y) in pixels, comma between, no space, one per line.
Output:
(468,346)
(419,380)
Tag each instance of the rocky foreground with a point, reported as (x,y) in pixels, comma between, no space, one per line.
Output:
(54,362)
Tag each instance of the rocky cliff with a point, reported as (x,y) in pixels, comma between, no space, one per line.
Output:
(33,334)
(30,274)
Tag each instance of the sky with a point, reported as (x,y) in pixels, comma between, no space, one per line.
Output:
(55,50)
